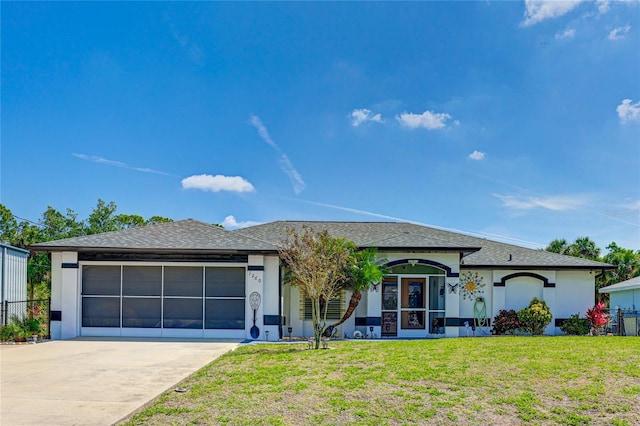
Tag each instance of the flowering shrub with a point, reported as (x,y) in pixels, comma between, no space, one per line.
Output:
(598,318)
(535,318)
(506,322)
(575,325)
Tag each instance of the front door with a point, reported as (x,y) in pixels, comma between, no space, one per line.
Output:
(390,306)
(413,303)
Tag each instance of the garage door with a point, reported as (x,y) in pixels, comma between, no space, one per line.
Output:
(163,300)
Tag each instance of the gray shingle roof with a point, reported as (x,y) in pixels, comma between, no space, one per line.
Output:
(185,235)
(632,284)
(385,235)
(394,235)
(192,235)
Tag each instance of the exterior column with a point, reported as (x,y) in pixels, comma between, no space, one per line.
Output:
(452,307)
(374,310)
(69,295)
(255,284)
(549,296)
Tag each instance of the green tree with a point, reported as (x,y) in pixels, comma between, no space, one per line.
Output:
(559,245)
(154,220)
(102,218)
(585,248)
(316,263)
(56,226)
(8,225)
(128,221)
(627,264)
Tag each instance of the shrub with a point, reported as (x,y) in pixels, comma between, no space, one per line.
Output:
(535,318)
(506,322)
(597,316)
(575,325)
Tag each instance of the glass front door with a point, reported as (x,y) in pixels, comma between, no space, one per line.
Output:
(390,306)
(413,308)
(413,304)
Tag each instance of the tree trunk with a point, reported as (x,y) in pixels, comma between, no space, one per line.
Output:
(353,303)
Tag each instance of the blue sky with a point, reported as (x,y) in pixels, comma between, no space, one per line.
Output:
(517,121)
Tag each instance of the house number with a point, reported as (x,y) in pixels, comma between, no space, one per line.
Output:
(255,277)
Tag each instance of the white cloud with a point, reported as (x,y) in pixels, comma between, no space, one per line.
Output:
(634,205)
(556,203)
(628,111)
(230,222)
(359,116)
(603,6)
(285,163)
(114,163)
(477,155)
(568,33)
(428,119)
(539,10)
(618,33)
(217,183)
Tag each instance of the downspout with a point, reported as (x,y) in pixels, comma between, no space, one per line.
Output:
(280,300)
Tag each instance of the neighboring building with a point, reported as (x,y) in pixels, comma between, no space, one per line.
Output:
(624,295)
(624,302)
(191,279)
(13,276)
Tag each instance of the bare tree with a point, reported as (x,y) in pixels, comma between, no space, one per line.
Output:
(318,265)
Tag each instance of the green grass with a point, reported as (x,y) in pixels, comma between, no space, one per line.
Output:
(494,380)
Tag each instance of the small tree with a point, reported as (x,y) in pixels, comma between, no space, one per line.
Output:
(316,264)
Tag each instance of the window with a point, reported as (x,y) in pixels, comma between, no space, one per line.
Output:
(334,311)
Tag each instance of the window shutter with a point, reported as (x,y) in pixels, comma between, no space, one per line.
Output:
(335,311)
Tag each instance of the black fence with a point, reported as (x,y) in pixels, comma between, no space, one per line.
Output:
(27,312)
(624,322)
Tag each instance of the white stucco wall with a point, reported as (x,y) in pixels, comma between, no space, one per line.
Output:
(467,306)
(575,293)
(271,294)
(65,295)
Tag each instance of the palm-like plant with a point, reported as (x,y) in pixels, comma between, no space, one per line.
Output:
(584,247)
(363,273)
(559,245)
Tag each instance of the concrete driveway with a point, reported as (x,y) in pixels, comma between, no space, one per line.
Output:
(94,381)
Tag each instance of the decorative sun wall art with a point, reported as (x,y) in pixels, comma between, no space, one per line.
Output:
(471,285)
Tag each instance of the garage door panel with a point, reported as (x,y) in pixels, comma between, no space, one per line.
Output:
(182,313)
(224,314)
(101,312)
(142,280)
(141,312)
(183,281)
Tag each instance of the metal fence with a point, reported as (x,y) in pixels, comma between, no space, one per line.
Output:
(20,311)
(624,322)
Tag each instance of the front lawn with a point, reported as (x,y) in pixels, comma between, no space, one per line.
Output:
(468,381)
